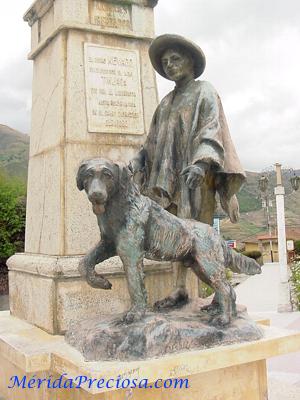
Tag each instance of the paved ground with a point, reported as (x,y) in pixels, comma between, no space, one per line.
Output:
(262,294)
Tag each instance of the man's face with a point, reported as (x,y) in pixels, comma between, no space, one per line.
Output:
(177,65)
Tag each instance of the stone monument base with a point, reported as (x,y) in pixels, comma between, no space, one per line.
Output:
(233,372)
(157,334)
(53,293)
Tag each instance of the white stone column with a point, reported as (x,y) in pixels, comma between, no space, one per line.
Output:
(94,95)
(279,193)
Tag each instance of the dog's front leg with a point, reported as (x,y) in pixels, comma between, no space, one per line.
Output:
(133,266)
(101,252)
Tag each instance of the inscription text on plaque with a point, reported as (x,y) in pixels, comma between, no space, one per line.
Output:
(113,90)
(108,15)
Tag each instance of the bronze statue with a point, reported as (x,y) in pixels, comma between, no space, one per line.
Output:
(187,159)
(133,226)
(188,155)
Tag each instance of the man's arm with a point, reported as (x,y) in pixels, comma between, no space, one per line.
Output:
(205,143)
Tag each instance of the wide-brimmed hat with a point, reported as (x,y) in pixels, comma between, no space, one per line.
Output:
(160,44)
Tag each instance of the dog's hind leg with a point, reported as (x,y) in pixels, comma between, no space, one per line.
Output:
(210,272)
(216,305)
(179,297)
(225,304)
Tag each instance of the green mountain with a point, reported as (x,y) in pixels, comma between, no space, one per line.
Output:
(14,152)
(253,218)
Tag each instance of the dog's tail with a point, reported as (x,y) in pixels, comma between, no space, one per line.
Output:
(239,263)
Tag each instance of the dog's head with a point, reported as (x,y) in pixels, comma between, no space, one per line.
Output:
(102,179)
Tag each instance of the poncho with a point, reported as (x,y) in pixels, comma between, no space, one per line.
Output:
(188,127)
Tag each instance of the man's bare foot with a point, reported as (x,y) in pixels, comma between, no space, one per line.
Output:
(135,314)
(212,308)
(177,299)
(220,320)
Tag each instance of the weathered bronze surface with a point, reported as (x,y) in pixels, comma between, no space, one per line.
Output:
(187,159)
(133,226)
(157,334)
(188,156)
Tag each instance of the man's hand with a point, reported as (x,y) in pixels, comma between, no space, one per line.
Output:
(135,166)
(193,175)
(138,168)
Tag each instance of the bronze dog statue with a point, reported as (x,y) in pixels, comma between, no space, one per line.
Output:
(133,226)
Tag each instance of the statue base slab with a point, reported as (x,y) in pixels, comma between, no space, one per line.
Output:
(233,372)
(187,328)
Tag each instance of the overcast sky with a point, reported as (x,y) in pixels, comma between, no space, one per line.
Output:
(252,49)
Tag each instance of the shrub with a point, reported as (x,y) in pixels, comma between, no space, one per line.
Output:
(295,283)
(297,247)
(12,216)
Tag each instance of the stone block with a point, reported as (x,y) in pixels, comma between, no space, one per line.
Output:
(47,117)
(143,21)
(71,10)
(32,298)
(44,216)
(49,292)
(35,35)
(76,299)
(47,24)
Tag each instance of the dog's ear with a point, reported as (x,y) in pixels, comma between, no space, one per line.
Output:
(80,175)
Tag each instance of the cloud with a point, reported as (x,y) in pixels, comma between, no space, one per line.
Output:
(253,61)
(15,94)
(15,69)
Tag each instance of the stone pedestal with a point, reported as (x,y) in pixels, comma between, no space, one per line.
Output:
(233,372)
(94,94)
(47,291)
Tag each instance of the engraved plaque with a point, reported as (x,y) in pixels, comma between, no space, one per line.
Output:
(113,90)
(107,15)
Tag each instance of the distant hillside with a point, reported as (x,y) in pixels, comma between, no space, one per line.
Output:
(253,217)
(14,152)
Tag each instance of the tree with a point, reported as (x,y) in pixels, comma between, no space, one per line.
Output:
(297,247)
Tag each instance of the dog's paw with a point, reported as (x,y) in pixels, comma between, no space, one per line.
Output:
(98,281)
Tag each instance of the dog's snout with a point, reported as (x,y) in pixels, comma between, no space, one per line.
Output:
(98,196)
(97,191)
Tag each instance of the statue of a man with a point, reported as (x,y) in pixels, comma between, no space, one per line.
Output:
(188,155)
